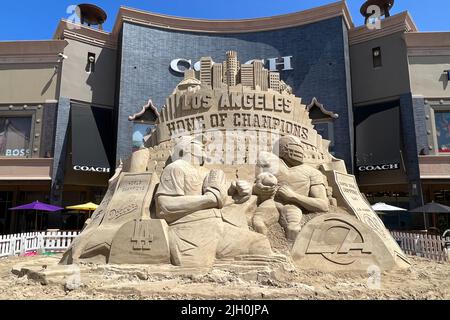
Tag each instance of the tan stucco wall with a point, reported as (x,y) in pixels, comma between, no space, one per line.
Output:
(26,169)
(434,167)
(390,80)
(427,76)
(27,83)
(77,84)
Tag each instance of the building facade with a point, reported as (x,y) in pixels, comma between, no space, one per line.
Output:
(400,99)
(30,77)
(310,51)
(379,95)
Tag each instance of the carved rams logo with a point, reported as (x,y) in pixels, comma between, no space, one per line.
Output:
(337,241)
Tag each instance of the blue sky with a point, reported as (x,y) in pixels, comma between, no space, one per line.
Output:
(37,19)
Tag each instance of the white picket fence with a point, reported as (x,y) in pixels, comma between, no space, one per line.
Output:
(51,241)
(427,246)
(422,245)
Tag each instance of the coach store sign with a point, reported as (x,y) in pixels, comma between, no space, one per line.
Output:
(91,169)
(382,167)
(180,65)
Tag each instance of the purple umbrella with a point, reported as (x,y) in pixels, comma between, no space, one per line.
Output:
(38,206)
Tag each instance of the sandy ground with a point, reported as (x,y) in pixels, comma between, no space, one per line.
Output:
(424,280)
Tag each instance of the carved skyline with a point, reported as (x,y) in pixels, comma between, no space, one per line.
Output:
(232,73)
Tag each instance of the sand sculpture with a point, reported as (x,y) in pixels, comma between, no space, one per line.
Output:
(233,154)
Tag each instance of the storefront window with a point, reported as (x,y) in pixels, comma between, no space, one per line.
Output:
(15,135)
(140,133)
(442,119)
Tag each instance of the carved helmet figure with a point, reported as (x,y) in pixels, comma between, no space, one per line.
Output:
(291,150)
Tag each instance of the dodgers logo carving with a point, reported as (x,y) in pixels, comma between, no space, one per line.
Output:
(115,214)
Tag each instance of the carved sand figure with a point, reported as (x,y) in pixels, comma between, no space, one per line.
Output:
(266,214)
(192,199)
(167,205)
(302,188)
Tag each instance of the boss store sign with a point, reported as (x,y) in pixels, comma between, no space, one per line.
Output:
(381,167)
(17,152)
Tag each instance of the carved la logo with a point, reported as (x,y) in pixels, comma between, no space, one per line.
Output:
(335,240)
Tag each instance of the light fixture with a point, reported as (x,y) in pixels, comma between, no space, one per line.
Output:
(90,67)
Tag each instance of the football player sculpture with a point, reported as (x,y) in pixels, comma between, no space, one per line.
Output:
(234,160)
(194,202)
(300,186)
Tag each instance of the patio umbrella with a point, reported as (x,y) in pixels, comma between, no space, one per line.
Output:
(84,207)
(38,206)
(381,208)
(89,207)
(432,208)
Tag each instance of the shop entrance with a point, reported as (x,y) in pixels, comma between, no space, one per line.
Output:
(440,193)
(6,202)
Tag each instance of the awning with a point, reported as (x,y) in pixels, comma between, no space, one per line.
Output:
(378,138)
(91,137)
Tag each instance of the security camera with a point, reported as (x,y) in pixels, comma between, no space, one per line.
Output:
(91,59)
(62,56)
